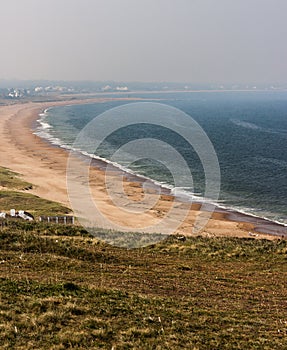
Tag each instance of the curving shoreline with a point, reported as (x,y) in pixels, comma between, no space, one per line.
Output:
(44,165)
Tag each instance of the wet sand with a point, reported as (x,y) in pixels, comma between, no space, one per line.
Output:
(125,201)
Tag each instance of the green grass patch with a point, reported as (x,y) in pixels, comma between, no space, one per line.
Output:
(11,180)
(10,197)
(31,203)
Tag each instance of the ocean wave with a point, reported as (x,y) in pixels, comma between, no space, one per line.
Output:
(43,130)
(273,161)
(253,212)
(252,126)
(245,124)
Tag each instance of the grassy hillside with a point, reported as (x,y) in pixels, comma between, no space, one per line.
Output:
(11,180)
(31,203)
(62,289)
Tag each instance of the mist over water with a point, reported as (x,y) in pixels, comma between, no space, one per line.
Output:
(248,131)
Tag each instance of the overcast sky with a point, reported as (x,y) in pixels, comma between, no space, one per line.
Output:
(144,40)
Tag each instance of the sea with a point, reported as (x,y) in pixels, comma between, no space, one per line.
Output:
(248,131)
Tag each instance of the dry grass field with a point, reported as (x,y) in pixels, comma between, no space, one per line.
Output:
(63,289)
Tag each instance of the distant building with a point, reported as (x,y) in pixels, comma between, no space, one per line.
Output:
(122,88)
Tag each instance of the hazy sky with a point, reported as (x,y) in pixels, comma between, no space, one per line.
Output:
(144,40)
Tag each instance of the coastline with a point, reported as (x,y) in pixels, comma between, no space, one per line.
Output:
(44,165)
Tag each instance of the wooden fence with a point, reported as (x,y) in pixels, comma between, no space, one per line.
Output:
(66,220)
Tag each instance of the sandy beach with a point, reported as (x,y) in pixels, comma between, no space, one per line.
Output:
(45,166)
